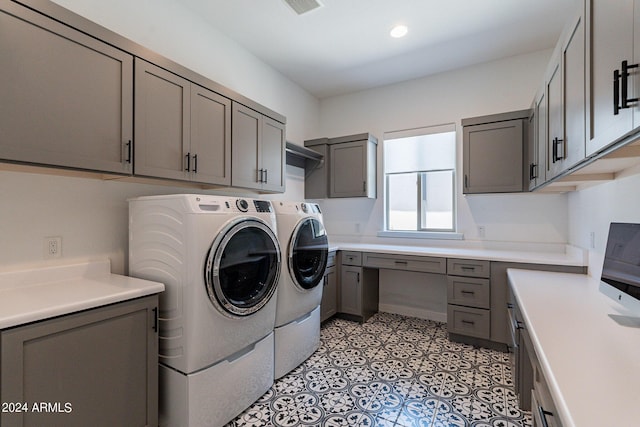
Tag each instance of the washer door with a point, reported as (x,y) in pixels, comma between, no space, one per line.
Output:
(243,267)
(308,252)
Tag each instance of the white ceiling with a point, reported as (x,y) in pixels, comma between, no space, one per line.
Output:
(344,46)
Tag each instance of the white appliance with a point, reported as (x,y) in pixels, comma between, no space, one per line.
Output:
(219,259)
(304,245)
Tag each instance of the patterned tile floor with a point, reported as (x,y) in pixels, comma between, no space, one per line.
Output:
(392,371)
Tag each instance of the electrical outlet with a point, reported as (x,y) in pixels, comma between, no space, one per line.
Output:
(481,232)
(53,247)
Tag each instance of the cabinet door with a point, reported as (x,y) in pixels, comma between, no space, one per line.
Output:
(611,32)
(273,155)
(210,154)
(532,149)
(67,98)
(541,136)
(329,305)
(351,290)
(100,366)
(162,111)
(492,158)
(246,154)
(555,125)
(348,176)
(573,72)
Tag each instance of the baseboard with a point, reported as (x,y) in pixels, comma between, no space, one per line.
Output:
(413,312)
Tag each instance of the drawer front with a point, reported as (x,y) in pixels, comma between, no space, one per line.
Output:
(468,267)
(473,322)
(422,264)
(468,291)
(331,259)
(351,258)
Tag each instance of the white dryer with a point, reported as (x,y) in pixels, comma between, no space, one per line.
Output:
(304,245)
(219,259)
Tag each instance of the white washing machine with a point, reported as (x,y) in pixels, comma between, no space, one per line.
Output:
(304,245)
(219,259)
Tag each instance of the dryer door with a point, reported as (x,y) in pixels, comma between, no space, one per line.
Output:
(308,252)
(243,267)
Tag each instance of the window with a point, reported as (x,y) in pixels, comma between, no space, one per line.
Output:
(419,171)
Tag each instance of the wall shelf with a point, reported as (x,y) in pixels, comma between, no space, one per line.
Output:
(302,157)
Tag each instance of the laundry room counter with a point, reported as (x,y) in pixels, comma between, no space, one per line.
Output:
(34,294)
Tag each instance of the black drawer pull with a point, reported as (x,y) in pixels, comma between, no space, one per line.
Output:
(467,268)
(401,262)
(468,292)
(469,322)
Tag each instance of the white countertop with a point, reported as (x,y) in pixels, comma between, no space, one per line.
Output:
(31,295)
(590,362)
(570,256)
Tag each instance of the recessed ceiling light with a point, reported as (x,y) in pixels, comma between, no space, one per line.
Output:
(399,31)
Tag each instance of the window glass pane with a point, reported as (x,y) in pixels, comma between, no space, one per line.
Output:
(437,200)
(402,201)
(418,153)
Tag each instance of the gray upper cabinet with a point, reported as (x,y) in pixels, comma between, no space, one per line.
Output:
(613,34)
(348,170)
(183,131)
(566,101)
(162,105)
(493,152)
(258,158)
(67,98)
(537,143)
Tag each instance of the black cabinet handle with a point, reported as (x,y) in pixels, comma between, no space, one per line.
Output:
(188,160)
(533,171)
(468,292)
(616,92)
(259,175)
(128,145)
(155,319)
(195,163)
(266,176)
(625,84)
(555,156)
(468,322)
(466,181)
(543,416)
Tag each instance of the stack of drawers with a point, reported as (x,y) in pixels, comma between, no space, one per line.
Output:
(468,298)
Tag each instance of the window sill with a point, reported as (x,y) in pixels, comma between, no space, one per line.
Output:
(438,235)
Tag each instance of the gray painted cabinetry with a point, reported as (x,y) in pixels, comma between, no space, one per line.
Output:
(329,304)
(258,158)
(67,98)
(359,289)
(183,131)
(348,170)
(97,367)
(468,298)
(493,152)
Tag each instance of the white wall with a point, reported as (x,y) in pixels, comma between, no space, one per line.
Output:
(593,209)
(90,214)
(495,87)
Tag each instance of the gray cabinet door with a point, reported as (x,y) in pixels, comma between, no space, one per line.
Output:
(162,110)
(541,137)
(210,151)
(493,157)
(348,169)
(351,290)
(573,71)
(329,305)
(610,38)
(555,125)
(67,98)
(100,366)
(246,154)
(273,155)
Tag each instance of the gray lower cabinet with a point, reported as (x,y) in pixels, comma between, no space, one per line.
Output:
(97,367)
(67,98)
(359,290)
(329,304)
(493,152)
(468,298)
(258,158)
(183,131)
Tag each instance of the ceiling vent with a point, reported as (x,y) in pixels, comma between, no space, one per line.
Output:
(303,6)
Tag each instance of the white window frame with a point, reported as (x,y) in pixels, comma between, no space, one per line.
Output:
(421,232)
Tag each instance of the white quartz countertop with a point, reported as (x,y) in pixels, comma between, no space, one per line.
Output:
(590,362)
(570,256)
(31,295)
